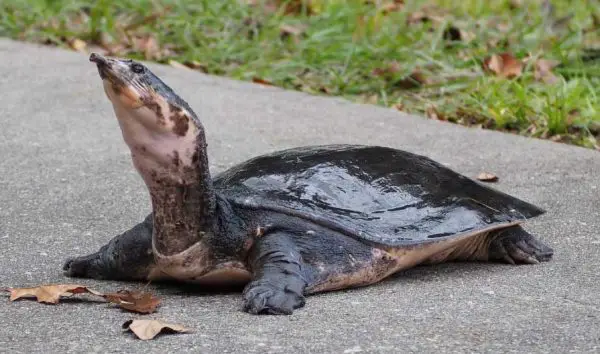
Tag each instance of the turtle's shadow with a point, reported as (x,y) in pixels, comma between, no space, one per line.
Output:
(178,288)
(421,273)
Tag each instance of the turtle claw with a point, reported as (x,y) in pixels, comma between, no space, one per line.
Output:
(84,267)
(265,299)
(517,246)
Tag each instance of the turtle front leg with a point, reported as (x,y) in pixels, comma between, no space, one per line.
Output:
(279,276)
(126,257)
(288,265)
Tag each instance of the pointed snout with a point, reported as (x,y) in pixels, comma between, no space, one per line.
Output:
(99,59)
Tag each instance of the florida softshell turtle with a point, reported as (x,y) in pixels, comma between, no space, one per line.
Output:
(294,222)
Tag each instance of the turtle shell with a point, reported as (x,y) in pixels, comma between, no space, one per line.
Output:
(383,195)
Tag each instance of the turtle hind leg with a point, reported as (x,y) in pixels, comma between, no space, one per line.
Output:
(511,245)
(126,257)
(514,245)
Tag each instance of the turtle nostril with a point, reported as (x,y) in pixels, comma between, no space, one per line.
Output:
(97,58)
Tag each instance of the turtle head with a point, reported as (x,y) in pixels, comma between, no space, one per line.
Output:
(154,120)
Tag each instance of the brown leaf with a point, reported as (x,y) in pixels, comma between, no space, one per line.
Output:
(542,70)
(148,329)
(51,293)
(291,30)
(426,14)
(515,4)
(398,106)
(135,301)
(392,6)
(370,99)
(390,68)
(77,44)
(505,65)
(414,80)
(433,113)
(258,80)
(196,65)
(147,44)
(290,7)
(178,65)
(487,177)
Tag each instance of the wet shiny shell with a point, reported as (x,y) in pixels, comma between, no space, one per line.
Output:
(377,194)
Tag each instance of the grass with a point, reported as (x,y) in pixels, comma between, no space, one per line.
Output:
(416,56)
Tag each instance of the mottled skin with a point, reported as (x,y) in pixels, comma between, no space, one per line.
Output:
(295,222)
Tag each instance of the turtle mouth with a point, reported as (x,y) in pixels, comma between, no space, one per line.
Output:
(103,64)
(119,84)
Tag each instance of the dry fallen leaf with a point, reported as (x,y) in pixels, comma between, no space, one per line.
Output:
(135,301)
(398,106)
(542,70)
(258,80)
(390,68)
(414,80)
(148,45)
(426,14)
(433,113)
(196,65)
(505,65)
(291,30)
(290,7)
(77,44)
(178,65)
(49,294)
(487,177)
(392,6)
(148,329)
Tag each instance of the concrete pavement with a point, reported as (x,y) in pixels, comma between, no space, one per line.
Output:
(67,186)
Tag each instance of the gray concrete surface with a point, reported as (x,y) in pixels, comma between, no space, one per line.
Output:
(67,186)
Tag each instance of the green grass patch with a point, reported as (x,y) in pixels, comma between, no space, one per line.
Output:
(414,55)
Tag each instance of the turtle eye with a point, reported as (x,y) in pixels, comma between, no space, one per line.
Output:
(137,68)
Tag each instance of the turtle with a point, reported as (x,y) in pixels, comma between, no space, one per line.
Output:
(290,223)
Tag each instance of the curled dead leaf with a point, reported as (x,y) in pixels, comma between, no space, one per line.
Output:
(398,106)
(391,6)
(414,80)
(50,294)
(504,65)
(134,301)
(542,70)
(291,30)
(178,65)
(77,44)
(487,177)
(258,80)
(429,13)
(147,44)
(148,329)
(290,7)
(433,113)
(390,68)
(196,65)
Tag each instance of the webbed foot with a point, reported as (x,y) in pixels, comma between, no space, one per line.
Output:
(279,276)
(261,297)
(515,245)
(90,266)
